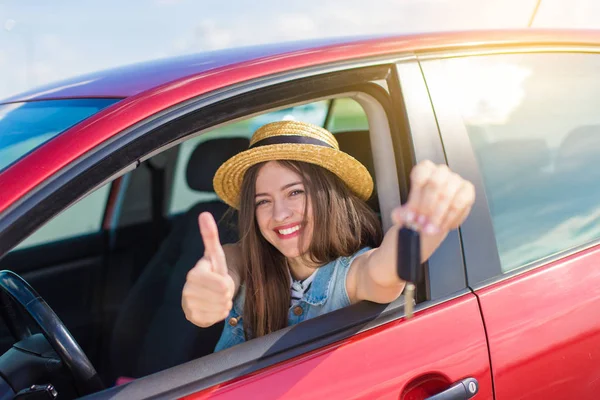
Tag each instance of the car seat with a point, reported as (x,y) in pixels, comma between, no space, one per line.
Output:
(151,332)
(358,145)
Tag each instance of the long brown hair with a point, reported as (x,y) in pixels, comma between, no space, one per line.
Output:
(342,225)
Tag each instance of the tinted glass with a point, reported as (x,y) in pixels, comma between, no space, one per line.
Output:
(25,126)
(534,124)
(82,218)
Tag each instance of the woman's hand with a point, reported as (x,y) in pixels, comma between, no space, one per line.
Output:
(208,292)
(439,200)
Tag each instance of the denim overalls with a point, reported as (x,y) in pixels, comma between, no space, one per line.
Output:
(327,293)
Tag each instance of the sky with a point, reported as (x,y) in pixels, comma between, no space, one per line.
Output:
(44,41)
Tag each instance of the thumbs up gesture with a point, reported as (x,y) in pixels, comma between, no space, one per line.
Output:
(208,292)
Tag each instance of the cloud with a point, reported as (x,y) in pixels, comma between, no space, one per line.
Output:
(212,35)
(13,79)
(181,44)
(295,26)
(50,42)
(486,92)
(168,2)
(40,59)
(90,37)
(581,14)
(353,18)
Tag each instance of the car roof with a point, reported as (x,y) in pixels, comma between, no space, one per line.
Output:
(156,93)
(129,80)
(136,78)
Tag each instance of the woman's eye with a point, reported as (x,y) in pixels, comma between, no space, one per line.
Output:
(296,192)
(261,202)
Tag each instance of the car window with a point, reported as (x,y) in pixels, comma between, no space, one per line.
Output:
(82,218)
(347,115)
(533,122)
(26,126)
(183,197)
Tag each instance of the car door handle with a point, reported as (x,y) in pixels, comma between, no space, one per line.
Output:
(461,390)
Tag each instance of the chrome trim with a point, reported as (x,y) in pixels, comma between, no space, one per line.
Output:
(509,48)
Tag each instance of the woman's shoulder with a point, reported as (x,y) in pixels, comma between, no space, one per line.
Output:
(347,260)
(343,264)
(344,277)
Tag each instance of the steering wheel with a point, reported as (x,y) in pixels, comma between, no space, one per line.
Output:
(14,288)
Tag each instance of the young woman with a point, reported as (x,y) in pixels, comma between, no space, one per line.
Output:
(309,244)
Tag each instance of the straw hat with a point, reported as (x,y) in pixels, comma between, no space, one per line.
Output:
(292,140)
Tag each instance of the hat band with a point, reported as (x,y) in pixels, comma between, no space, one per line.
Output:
(286,139)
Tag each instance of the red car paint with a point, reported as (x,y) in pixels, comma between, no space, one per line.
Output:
(396,358)
(543,330)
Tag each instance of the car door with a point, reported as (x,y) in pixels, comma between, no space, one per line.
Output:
(524,126)
(362,351)
(391,357)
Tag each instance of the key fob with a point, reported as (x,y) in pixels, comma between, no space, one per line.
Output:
(409,255)
(409,265)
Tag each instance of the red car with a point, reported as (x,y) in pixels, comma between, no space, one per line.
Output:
(102,178)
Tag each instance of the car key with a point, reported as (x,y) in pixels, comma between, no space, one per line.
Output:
(409,264)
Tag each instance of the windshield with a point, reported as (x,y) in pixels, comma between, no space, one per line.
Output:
(26,126)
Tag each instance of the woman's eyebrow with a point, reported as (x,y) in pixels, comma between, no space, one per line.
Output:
(282,188)
(290,185)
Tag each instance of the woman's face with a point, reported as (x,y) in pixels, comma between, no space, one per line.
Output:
(279,203)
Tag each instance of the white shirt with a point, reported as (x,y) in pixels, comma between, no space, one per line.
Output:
(298,288)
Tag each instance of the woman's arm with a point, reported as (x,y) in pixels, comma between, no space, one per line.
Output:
(439,201)
(233,255)
(211,285)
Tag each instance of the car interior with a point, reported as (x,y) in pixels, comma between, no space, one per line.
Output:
(118,287)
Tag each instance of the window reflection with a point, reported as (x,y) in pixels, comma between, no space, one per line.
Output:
(27,125)
(533,123)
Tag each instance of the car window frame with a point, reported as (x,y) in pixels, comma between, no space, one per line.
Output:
(132,146)
(445,272)
(482,259)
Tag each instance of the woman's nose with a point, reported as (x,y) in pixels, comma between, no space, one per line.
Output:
(281,211)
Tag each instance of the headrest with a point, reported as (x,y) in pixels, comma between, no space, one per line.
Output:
(208,157)
(358,145)
(577,149)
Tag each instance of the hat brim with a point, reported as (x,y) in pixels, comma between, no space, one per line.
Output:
(228,179)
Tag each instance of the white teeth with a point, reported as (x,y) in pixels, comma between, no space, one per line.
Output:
(288,231)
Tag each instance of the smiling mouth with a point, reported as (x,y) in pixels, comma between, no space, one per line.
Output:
(290,232)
